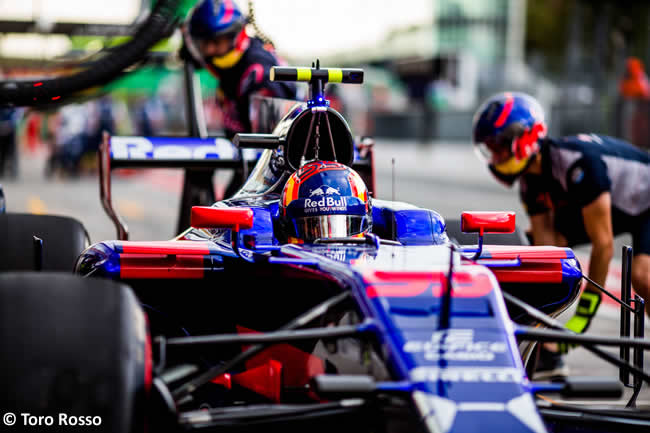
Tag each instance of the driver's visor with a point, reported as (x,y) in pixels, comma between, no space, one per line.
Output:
(329,226)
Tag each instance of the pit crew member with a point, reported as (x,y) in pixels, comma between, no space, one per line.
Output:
(218,40)
(578,189)
(242,63)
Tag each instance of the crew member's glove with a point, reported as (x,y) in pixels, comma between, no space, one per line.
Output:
(579,323)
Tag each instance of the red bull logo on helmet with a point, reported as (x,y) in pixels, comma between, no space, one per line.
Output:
(328,191)
(326,204)
(322,188)
(317,191)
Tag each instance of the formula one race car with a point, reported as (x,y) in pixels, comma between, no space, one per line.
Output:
(245,322)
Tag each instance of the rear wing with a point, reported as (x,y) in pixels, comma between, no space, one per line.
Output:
(163,152)
(174,152)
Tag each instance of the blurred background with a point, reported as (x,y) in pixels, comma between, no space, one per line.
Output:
(428,64)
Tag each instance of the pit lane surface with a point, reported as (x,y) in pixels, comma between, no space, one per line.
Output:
(446,177)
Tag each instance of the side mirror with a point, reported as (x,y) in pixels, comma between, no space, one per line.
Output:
(206,217)
(234,218)
(486,222)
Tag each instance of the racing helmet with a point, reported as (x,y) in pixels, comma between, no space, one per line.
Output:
(506,129)
(220,18)
(325,199)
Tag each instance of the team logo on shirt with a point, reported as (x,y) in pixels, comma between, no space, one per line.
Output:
(577,175)
(589,138)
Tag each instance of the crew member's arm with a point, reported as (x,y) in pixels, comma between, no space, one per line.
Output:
(597,217)
(588,185)
(543,230)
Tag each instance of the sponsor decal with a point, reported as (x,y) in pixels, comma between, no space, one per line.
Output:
(588,138)
(325,204)
(338,255)
(317,191)
(246,254)
(577,175)
(455,345)
(141,148)
(439,413)
(467,374)
(328,191)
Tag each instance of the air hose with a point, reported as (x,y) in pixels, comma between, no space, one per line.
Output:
(253,22)
(160,24)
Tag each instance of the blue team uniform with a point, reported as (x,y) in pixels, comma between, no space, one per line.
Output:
(576,170)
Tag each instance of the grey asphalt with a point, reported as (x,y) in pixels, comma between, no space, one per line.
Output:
(446,177)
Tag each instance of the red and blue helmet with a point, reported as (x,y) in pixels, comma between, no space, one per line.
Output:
(506,129)
(215,18)
(325,199)
(220,19)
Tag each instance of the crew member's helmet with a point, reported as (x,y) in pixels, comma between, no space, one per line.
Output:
(325,199)
(220,19)
(506,129)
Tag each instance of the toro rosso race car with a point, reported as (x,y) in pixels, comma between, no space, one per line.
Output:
(245,322)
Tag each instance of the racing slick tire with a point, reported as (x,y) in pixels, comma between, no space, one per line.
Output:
(64,238)
(518,237)
(74,352)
